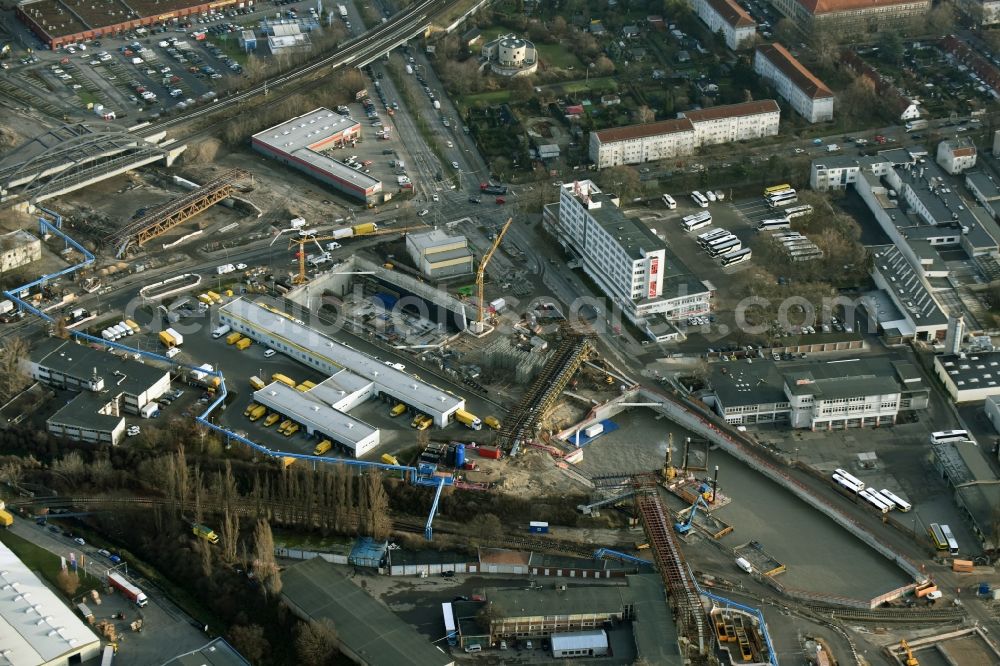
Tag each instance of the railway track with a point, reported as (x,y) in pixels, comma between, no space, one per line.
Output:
(893,615)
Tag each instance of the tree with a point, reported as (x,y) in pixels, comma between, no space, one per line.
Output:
(644,114)
(786,32)
(603,66)
(621,180)
(265,566)
(68,581)
(890,47)
(249,641)
(316,642)
(13,378)
(376,507)
(941,19)
(485,526)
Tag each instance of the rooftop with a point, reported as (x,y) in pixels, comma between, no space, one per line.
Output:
(837,6)
(984,183)
(318,589)
(308,409)
(633,132)
(579,640)
(790,66)
(76,360)
(906,286)
(732,13)
(36,627)
(57,22)
(653,626)
(740,110)
(399,384)
(550,600)
(632,235)
(965,463)
(429,240)
(215,653)
(980,370)
(83,411)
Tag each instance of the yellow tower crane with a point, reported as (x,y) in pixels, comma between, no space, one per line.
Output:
(302,241)
(481,276)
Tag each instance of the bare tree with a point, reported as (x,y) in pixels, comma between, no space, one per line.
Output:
(249,641)
(485,526)
(644,114)
(376,507)
(316,642)
(68,581)
(265,566)
(13,378)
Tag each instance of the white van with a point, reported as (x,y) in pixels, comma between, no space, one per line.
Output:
(474,648)
(220,331)
(744,564)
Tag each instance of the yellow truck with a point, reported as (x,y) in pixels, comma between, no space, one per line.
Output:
(257,413)
(398,409)
(284,379)
(389,459)
(205,298)
(322,447)
(6,518)
(302,387)
(271,419)
(257,383)
(244,343)
(364,228)
(287,461)
(252,406)
(492,422)
(291,430)
(134,326)
(470,420)
(233,338)
(287,423)
(214,296)
(167,340)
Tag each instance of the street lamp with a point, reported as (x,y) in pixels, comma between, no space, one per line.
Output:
(590,66)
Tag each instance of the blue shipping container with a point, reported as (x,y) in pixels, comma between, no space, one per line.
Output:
(385,300)
(536,527)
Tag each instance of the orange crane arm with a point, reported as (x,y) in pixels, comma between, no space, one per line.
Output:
(481,273)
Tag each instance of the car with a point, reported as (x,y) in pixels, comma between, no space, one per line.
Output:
(475,200)
(503,645)
(268,353)
(115,559)
(454,165)
(447,574)
(241,267)
(132,431)
(423,212)
(40,521)
(54,529)
(79,541)
(104,552)
(528,645)
(435,197)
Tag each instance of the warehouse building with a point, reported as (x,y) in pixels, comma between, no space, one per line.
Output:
(58,24)
(17,249)
(36,627)
(216,652)
(438,255)
(90,418)
(637,144)
(805,93)
(322,410)
(850,17)
(818,396)
(727,17)
(65,364)
(969,377)
(577,644)
(626,260)
(312,348)
(977,489)
(300,142)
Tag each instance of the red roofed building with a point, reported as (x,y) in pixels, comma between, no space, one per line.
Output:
(809,96)
(850,16)
(725,15)
(636,144)
(956,156)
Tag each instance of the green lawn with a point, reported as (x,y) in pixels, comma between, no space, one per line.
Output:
(555,55)
(41,561)
(593,84)
(488,98)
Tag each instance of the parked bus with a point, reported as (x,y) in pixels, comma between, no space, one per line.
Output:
(736,257)
(776,188)
(945,436)
(774,224)
(696,224)
(881,496)
(699,199)
(851,478)
(798,211)
(782,200)
(874,500)
(937,536)
(900,503)
(950,540)
(735,245)
(669,202)
(709,235)
(698,217)
(719,240)
(850,485)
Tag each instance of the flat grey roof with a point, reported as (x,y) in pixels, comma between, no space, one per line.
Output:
(82,412)
(318,589)
(631,234)
(335,167)
(910,292)
(428,240)
(76,360)
(653,627)
(214,653)
(984,183)
(449,255)
(311,411)
(36,627)
(575,599)
(579,640)
(397,383)
(965,463)
(980,370)
(336,385)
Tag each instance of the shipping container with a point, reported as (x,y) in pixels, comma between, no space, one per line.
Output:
(284,379)
(233,338)
(167,340)
(538,527)
(244,343)
(489,452)
(257,383)
(594,430)
(178,338)
(214,296)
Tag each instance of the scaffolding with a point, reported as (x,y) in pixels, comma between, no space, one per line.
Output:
(682,590)
(562,364)
(180,210)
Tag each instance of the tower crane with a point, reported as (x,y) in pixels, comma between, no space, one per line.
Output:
(669,471)
(302,241)
(481,276)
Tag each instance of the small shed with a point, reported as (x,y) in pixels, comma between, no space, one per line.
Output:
(248,40)
(538,527)
(368,553)
(580,644)
(85,613)
(548,151)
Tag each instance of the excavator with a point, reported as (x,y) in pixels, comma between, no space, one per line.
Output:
(910,659)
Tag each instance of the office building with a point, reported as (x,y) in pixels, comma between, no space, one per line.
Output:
(850,17)
(93,418)
(438,254)
(666,139)
(727,17)
(805,93)
(626,260)
(818,396)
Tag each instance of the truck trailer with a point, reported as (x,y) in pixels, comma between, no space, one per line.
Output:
(133,593)
(206,533)
(470,421)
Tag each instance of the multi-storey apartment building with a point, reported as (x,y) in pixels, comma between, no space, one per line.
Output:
(636,144)
(805,93)
(727,17)
(854,17)
(626,260)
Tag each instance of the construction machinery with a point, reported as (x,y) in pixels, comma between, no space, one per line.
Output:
(910,659)
(480,326)
(669,472)
(302,241)
(684,526)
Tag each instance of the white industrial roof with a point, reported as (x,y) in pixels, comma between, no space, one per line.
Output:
(35,626)
(311,411)
(399,384)
(579,640)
